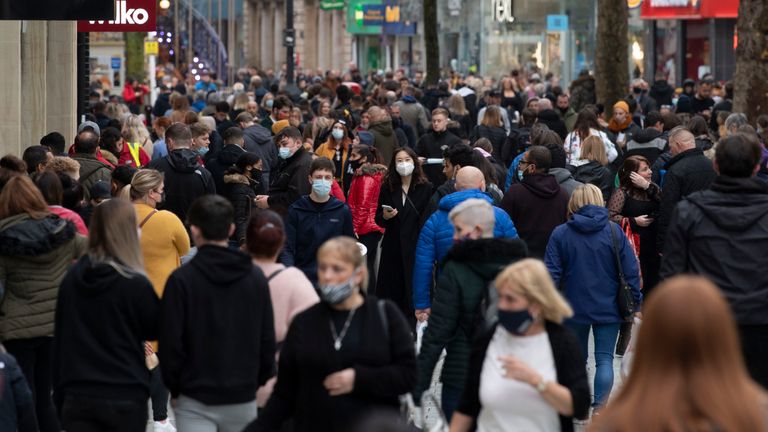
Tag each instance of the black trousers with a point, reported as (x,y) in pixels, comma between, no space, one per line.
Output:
(159,395)
(83,414)
(34,358)
(754,345)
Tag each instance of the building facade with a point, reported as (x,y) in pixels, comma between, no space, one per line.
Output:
(322,40)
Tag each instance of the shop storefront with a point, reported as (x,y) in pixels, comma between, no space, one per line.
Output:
(494,37)
(385,35)
(692,38)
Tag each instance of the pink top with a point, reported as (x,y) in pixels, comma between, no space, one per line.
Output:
(69,215)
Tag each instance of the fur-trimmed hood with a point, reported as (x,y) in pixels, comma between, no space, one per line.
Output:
(237,178)
(371,169)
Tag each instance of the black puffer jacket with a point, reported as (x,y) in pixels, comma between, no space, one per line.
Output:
(467,269)
(720,233)
(185,181)
(496,135)
(241,191)
(662,92)
(688,172)
(595,174)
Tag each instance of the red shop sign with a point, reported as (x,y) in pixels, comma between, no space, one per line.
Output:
(689,9)
(130,16)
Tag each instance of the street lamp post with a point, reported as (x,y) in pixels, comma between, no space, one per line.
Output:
(289,42)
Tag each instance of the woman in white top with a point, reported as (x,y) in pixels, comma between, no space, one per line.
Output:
(586,125)
(527,373)
(290,290)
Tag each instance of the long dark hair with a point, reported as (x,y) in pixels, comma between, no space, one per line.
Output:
(631,164)
(392,178)
(586,120)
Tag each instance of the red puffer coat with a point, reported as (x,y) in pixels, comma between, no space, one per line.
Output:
(364,197)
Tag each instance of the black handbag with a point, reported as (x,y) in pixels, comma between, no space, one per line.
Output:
(624,298)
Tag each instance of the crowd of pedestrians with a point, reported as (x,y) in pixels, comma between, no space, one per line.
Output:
(263,260)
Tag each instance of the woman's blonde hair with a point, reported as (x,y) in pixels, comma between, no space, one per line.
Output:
(241,101)
(530,278)
(143,182)
(134,130)
(113,239)
(585,195)
(456,105)
(346,249)
(593,149)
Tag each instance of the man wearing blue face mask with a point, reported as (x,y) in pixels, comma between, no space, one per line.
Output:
(313,219)
(288,182)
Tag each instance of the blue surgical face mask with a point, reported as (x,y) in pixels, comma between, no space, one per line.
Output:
(269,103)
(515,322)
(284,152)
(321,187)
(202,151)
(520,175)
(338,134)
(336,293)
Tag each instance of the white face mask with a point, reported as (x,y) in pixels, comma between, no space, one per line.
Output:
(404,168)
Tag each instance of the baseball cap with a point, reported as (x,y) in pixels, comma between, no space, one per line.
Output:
(100,189)
(89,125)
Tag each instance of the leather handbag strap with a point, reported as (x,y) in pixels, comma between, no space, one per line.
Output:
(147,218)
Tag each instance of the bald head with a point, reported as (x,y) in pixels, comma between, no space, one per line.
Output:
(470,178)
(377,114)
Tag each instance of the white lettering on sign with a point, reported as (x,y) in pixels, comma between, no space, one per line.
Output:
(502,10)
(674,3)
(125,15)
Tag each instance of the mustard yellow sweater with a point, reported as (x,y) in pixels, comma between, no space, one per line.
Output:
(164,241)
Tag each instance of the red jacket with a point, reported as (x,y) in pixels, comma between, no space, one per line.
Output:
(126,158)
(364,198)
(336,192)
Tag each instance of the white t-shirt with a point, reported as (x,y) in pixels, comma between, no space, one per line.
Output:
(510,405)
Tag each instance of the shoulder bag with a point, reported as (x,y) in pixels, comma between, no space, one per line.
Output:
(624,298)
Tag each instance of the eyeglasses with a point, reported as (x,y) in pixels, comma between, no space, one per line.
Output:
(523,162)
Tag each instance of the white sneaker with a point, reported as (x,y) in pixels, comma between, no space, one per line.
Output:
(164,426)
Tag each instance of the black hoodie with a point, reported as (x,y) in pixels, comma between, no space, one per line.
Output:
(536,205)
(185,180)
(721,233)
(217,334)
(102,321)
(222,162)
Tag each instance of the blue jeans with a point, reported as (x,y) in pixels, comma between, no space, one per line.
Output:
(605,343)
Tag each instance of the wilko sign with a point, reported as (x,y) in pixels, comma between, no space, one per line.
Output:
(130,16)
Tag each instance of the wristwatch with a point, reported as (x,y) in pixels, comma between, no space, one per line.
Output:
(542,385)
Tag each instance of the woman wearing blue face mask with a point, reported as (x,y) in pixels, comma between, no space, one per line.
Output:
(337,148)
(527,372)
(343,358)
(313,219)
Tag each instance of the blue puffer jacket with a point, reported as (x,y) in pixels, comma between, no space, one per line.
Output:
(436,238)
(580,254)
(308,226)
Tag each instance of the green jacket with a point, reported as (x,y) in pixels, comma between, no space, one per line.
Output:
(569,118)
(34,257)
(468,269)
